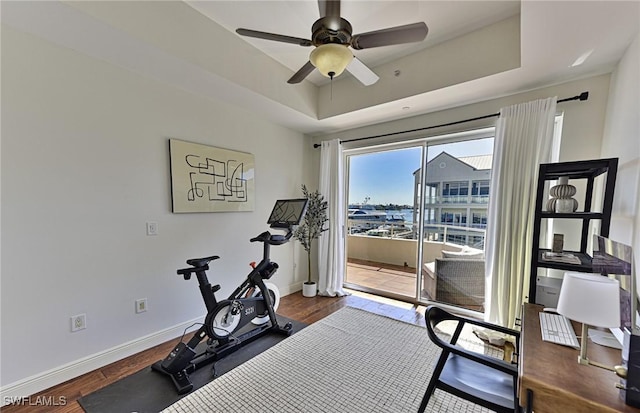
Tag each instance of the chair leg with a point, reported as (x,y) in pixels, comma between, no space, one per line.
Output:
(434,381)
(427,396)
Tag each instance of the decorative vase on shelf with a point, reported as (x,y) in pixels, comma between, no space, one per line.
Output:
(562,200)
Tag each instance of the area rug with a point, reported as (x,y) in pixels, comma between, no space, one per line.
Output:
(149,391)
(351,361)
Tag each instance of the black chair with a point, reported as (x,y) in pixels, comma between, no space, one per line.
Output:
(481,379)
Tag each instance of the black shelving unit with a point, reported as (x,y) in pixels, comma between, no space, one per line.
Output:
(586,170)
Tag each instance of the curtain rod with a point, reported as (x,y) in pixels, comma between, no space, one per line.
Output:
(582,96)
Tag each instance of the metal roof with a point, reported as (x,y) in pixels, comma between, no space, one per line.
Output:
(478,161)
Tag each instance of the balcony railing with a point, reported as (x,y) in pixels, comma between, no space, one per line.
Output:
(399,246)
(457,199)
(479,199)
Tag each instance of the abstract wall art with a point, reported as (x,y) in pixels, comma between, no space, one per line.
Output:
(209,179)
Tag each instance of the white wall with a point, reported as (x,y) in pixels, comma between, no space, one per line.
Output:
(84,166)
(622,140)
(582,128)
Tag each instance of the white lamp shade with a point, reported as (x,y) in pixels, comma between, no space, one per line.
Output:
(331,59)
(590,299)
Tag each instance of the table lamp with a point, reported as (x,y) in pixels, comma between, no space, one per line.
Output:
(593,300)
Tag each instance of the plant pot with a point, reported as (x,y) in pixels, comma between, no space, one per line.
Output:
(309,289)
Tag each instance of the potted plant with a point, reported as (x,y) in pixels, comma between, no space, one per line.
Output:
(312,225)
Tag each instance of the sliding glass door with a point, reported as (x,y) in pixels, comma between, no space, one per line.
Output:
(457,179)
(417,219)
(381,240)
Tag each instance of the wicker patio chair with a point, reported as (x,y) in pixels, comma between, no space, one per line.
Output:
(460,282)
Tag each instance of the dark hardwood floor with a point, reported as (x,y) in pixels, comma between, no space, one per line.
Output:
(294,306)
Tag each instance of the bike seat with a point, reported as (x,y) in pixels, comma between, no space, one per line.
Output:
(201,262)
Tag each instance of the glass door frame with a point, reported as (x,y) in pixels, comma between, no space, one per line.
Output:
(424,143)
(347,154)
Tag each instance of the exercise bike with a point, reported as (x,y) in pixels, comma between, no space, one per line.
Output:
(254,301)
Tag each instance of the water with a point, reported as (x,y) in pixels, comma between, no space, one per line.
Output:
(406,213)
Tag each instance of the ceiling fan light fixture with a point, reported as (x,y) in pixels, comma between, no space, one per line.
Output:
(331,59)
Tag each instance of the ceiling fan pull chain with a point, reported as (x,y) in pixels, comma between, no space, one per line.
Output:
(331,88)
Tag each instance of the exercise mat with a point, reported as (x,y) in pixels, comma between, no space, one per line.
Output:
(150,391)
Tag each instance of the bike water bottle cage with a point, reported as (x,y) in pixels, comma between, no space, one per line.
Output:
(269,270)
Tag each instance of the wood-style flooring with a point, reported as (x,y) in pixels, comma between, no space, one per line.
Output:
(394,279)
(294,306)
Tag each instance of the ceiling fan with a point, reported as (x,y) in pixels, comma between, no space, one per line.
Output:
(332,36)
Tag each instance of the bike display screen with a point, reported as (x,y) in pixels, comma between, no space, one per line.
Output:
(287,212)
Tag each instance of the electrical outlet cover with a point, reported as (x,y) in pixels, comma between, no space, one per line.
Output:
(78,322)
(152,228)
(141,305)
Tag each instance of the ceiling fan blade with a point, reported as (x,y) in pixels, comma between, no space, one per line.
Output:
(302,73)
(274,37)
(361,72)
(329,8)
(409,33)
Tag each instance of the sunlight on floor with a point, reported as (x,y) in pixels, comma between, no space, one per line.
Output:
(384,300)
(469,340)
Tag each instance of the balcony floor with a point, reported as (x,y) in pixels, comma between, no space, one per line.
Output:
(395,279)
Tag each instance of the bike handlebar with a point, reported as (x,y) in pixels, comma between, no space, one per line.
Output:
(271,239)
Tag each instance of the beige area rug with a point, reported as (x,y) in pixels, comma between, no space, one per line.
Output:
(351,361)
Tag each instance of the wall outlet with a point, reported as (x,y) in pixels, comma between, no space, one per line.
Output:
(78,322)
(152,228)
(141,305)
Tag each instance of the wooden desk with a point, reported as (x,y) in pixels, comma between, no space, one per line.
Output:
(555,379)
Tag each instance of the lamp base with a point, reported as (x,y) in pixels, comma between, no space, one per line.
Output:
(582,358)
(586,362)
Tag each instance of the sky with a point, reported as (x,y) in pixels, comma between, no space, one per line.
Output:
(387,177)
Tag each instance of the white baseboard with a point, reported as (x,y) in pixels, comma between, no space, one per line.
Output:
(291,288)
(41,381)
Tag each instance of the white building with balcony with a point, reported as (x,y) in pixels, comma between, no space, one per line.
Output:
(456,198)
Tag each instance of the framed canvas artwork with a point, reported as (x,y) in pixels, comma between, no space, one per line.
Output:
(209,179)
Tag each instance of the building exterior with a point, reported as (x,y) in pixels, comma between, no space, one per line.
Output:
(456,198)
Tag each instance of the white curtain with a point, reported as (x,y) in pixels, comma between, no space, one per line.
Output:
(524,134)
(331,245)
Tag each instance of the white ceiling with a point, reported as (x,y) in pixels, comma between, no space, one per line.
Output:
(553,34)
(445,20)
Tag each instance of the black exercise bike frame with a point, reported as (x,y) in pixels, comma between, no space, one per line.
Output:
(183,359)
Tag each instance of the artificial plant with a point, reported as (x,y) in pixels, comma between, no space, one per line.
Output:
(313,223)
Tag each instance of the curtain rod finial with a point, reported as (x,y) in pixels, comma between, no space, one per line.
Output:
(584,96)
(316,145)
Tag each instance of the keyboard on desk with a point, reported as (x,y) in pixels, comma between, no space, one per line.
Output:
(557,329)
